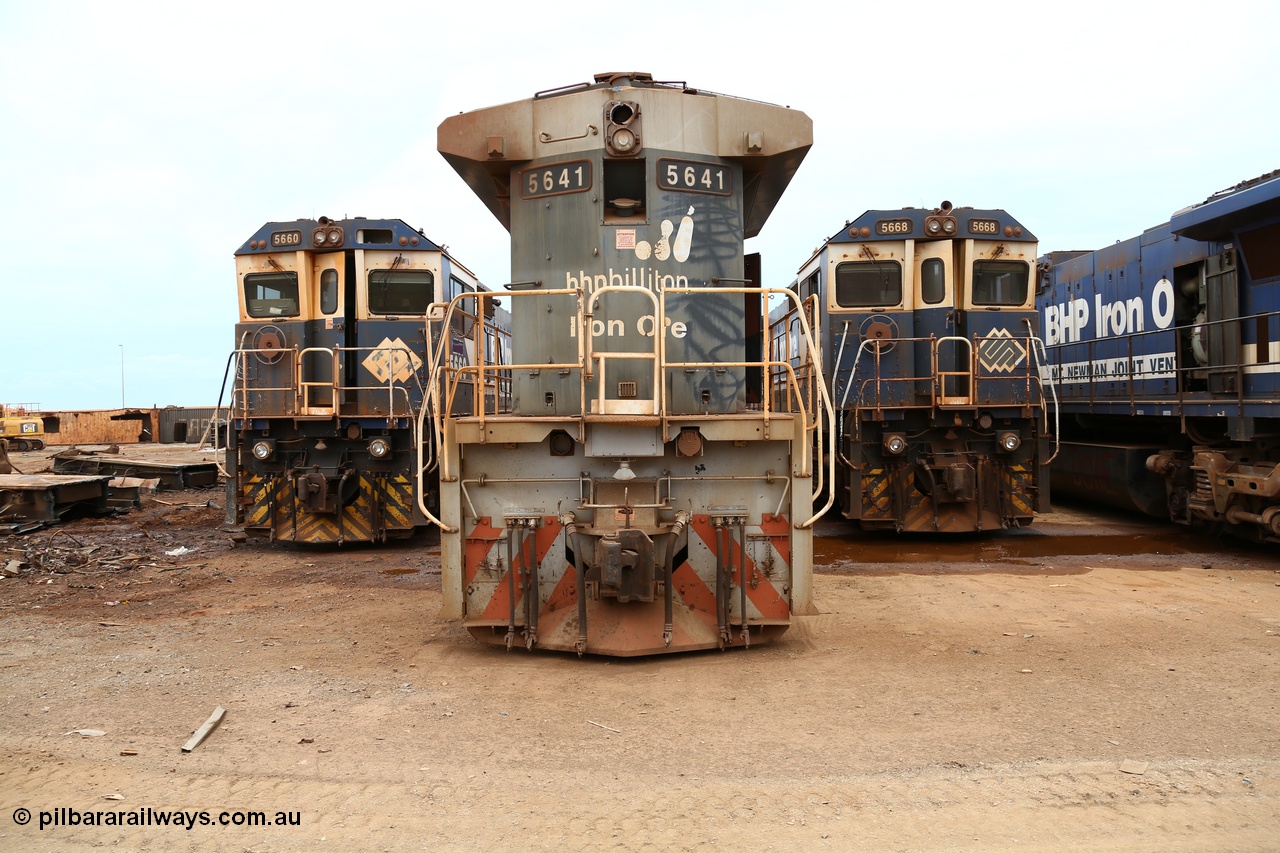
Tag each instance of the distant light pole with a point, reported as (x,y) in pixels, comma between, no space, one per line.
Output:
(121,374)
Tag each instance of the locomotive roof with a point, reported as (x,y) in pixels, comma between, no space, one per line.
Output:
(917,215)
(853,232)
(262,242)
(484,146)
(1221,213)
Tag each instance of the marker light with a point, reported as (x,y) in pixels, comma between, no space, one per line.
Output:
(379,448)
(624,140)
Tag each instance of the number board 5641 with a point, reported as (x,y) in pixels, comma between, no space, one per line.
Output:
(694,177)
(573,177)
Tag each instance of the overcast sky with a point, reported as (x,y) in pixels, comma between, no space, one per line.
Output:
(142,143)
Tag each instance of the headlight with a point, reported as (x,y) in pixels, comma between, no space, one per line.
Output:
(894,443)
(937,226)
(1009,441)
(262,450)
(379,448)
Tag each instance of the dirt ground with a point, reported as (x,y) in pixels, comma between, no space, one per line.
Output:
(1085,684)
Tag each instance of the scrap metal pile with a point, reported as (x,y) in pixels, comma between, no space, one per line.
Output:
(86,485)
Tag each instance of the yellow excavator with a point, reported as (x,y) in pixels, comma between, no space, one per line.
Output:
(21,428)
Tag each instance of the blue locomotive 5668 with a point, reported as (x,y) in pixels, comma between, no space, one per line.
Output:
(930,346)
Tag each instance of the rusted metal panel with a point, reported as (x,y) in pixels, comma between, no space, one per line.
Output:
(100,426)
(30,501)
(482,146)
(172,475)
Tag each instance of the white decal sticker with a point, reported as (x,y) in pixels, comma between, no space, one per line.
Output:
(666,248)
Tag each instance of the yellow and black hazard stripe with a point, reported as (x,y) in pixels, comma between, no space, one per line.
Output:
(1006,494)
(1020,488)
(383,506)
(877,496)
(394,495)
(920,513)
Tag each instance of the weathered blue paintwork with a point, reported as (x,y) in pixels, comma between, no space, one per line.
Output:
(330,357)
(924,341)
(1170,340)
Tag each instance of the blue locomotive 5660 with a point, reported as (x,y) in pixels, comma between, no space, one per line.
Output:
(325,444)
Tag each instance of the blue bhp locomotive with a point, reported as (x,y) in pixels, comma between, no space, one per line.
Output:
(1165,350)
(329,379)
(930,347)
(648,485)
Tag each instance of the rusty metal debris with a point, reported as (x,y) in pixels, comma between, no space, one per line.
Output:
(170,475)
(63,554)
(30,501)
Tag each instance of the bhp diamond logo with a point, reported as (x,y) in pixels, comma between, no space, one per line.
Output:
(392,359)
(1000,353)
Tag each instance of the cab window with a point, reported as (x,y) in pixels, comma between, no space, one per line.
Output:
(464,309)
(868,284)
(328,291)
(933,282)
(400,291)
(1000,282)
(808,287)
(271,294)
